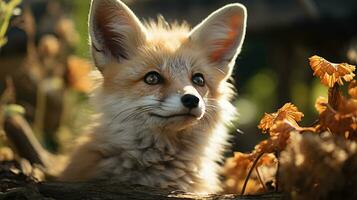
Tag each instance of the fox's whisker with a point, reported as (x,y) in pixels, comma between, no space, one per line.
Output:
(133,112)
(211,106)
(136,112)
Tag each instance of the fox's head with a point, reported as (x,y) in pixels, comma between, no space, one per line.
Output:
(164,76)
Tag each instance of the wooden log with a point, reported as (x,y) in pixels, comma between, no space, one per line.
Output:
(105,190)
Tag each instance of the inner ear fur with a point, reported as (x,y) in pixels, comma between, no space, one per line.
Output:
(221,34)
(115,32)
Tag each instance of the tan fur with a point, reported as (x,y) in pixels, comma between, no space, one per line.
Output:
(131,145)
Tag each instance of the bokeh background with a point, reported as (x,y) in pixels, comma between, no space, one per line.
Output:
(46,59)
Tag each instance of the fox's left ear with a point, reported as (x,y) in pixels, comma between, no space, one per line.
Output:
(221,35)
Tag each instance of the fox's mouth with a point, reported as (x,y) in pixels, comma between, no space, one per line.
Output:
(174,115)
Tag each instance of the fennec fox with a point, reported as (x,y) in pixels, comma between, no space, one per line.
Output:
(163,100)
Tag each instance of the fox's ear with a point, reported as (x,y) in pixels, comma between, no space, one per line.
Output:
(114,32)
(221,34)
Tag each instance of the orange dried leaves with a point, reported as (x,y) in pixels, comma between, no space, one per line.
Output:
(237,168)
(342,120)
(338,115)
(288,112)
(331,73)
(279,125)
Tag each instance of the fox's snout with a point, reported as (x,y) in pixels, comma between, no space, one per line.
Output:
(190,101)
(192,104)
(180,106)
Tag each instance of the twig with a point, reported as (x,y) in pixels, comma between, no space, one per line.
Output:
(277,155)
(316,122)
(334,96)
(260,179)
(250,172)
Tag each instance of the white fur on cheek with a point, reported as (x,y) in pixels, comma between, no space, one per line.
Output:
(172,104)
(119,112)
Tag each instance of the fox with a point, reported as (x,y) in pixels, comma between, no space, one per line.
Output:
(162,99)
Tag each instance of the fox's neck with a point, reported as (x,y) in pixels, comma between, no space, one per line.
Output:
(132,136)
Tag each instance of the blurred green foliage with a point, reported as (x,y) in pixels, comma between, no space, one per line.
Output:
(257,95)
(6,11)
(80,17)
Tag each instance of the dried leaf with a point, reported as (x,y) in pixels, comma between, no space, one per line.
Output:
(331,73)
(288,112)
(279,125)
(342,121)
(279,136)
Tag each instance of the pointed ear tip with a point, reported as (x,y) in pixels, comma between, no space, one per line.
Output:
(235,7)
(119,3)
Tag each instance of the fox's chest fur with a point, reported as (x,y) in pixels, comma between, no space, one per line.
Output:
(162,99)
(165,162)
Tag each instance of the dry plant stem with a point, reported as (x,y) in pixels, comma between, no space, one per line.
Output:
(260,179)
(250,172)
(316,122)
(277,155)
(334,96)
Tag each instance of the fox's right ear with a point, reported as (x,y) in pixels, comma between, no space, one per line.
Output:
(114,32)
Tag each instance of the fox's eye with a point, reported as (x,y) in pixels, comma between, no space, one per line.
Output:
(198,79)
(152,78)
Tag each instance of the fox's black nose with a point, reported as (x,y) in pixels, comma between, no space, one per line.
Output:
(190,101)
